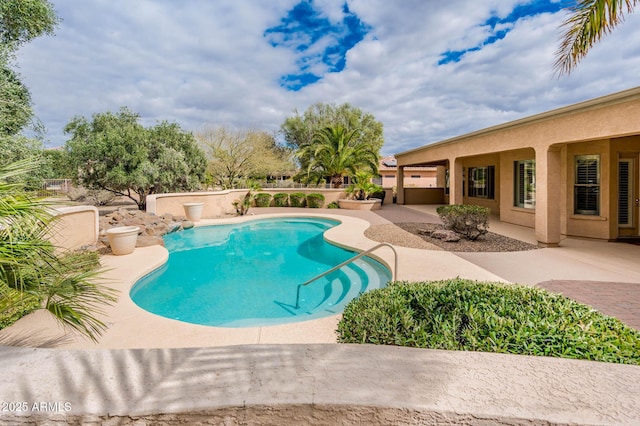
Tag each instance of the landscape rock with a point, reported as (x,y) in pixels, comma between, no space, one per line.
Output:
(152,227)
(446,235)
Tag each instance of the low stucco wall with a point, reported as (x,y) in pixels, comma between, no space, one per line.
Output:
(220,203)
(75,227)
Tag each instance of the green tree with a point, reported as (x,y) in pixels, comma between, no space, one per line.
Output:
(588,22)
(336,152)
(15,103)
(23,20)
(300,130)
(236,156)
(115,153)
(55,165)
(33,274)
(20,22)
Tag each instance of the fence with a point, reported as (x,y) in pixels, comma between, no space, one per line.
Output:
(55,187)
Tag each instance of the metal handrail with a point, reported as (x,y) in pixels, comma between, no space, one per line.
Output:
(346,262)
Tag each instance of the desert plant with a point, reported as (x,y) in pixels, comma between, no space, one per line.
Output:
(262,199)
(361,187)
(315,200)
(468,220)
(281,199)
(33,275)
(92,197)
(297,199)
(243,204)
(468,315)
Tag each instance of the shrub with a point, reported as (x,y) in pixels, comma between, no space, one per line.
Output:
(315,201)
(263,199)
(333,205)
(281,199)
(470,221)
(297,199)
(92,197)
(489,317)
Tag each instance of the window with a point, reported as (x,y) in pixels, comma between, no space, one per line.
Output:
(415,176)
(586,191)
(524,184)
(481,182)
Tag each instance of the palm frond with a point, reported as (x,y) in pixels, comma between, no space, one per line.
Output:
(589,20)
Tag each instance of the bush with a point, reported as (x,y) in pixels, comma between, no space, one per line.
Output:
(470,221)
(315,201)
(92,197)
(489,317)
(281,199)
(263,199)
(297,199)
(333,205)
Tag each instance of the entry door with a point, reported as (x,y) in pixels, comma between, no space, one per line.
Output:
(628,203)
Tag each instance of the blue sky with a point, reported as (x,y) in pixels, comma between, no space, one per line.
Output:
(428,70)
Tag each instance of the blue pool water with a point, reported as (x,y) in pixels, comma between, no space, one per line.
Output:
(246,275)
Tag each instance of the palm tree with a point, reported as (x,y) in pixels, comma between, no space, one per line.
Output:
(334,153)
(33,274)
(588,22)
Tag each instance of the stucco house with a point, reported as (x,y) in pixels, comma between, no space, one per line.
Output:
(421,177)
(572,171)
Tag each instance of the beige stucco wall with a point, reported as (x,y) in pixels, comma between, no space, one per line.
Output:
(508,211)
(220,203)
(482,161)
(74,227)
(585,225)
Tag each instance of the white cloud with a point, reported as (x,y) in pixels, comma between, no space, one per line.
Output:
(207,62)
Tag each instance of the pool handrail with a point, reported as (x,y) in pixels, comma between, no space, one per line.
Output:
(346,262)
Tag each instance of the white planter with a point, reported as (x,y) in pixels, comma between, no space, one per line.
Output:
(123,239)
(372,204)
(193,211)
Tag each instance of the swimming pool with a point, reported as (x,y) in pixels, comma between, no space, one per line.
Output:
(247,274)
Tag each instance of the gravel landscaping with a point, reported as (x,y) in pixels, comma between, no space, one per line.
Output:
(418,235)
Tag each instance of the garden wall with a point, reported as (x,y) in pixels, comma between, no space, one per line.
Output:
(220,203)
(75,227)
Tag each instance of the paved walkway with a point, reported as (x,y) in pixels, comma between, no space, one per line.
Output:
(604,275)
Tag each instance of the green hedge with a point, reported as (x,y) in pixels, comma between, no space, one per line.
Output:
(489,317)
(281,199)
(263,199)
(315,201)
(468,220)
(297,199)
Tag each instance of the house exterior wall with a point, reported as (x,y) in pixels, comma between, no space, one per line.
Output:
(412,178)
(607,127)
(508,211)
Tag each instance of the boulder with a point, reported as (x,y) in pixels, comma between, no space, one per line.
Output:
(446,235)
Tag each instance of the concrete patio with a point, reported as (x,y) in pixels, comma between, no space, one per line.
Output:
(153,368)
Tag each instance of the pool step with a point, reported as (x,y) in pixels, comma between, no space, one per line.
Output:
(348,286)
